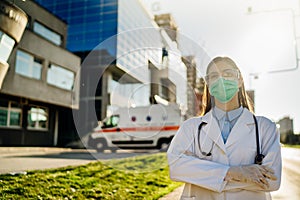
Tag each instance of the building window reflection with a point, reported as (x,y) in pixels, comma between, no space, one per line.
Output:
(10,114)
(37,118)
(60,77)
(6,46)
(47,33)
(28,65)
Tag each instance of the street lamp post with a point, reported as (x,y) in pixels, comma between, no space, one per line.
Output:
(256,74)
(250,11)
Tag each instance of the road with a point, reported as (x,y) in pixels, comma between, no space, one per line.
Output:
(290,180)
(18,160)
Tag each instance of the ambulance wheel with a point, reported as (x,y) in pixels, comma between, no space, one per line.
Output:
(113,149)
(101,145)
(163,145)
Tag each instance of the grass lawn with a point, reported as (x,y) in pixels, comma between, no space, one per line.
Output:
(141,177)
(292,146)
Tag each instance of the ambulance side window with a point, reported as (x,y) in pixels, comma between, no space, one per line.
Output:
(112,121)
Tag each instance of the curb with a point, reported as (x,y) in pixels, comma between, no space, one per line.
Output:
(32,149)
(174,195)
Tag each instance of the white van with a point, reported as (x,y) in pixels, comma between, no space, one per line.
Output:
(141,127)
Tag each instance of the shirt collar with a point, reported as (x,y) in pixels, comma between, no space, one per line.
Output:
(219,114)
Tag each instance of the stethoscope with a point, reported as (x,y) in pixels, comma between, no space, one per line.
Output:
(258,158)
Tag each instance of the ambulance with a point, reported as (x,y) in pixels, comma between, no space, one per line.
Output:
(145,127)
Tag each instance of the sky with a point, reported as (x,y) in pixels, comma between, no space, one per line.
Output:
(260,36)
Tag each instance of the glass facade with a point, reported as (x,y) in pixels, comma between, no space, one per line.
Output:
(130,35)
(140,44)
(89,22)
(139,41)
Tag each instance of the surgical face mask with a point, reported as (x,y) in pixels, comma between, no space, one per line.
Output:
(224,90)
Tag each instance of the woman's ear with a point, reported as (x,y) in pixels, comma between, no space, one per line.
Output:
(240,82)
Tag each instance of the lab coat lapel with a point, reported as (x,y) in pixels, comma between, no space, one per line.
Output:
(242,128)
(212,130)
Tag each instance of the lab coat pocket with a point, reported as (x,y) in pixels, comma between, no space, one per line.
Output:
(242,153)
(248,155)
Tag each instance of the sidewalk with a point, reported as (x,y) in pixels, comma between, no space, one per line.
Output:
(20,150)
(21,159)
(175,195)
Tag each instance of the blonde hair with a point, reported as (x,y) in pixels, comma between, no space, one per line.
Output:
(243,97)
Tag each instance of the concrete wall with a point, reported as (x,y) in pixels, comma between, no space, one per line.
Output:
(29,91)
(39,90)
(43,16)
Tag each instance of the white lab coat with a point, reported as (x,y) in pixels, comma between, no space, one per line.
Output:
(204,175)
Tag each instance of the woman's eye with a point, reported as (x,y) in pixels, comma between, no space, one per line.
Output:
(227,74)
(213,76)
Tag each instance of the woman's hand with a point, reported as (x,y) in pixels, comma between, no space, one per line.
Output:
(257,174)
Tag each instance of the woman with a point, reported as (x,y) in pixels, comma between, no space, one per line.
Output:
(227,152)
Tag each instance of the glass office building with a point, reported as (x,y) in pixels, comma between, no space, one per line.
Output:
(94,21)
(128,33)
(89,22)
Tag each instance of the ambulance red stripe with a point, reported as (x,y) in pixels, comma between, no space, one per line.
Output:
(132,129)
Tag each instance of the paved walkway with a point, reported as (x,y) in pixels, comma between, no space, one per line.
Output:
(175,195)
(21,159)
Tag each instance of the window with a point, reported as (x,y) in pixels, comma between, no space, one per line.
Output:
(47,33)
(37,118)
(28,65)
(60,77)
(6,46)
(112,121)
(10,114)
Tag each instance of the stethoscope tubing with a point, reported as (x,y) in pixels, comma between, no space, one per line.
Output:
(258,158)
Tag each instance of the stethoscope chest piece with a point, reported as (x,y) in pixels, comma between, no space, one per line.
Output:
(205,154)
(258,159)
